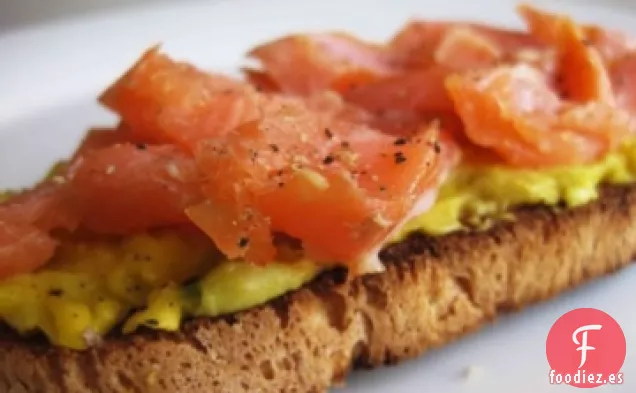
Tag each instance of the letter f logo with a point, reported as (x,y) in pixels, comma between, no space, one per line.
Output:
(583,344)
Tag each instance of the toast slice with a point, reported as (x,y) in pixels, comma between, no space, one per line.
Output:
(433,291)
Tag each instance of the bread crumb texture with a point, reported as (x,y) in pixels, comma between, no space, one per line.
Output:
(433,291)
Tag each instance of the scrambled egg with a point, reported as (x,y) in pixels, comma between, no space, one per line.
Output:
(475,197)
(156,280)
(90,286)
(229,287)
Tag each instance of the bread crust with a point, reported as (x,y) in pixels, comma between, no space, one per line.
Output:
(433,291)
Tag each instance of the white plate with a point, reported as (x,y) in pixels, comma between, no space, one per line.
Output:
(50,76)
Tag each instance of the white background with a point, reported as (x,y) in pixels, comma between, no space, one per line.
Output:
(19,13)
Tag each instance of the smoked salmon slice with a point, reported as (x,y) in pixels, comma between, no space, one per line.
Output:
(623,77)
(422,43)
(306,64)
(535,118)
(26,223)
(612,45)
(126,188)
(415,91)
(544,26)
(164,101)
(99,138)
(462,48)
(337,187)
(23,248)
(47,207)
(514,111)
(261,80)
(580,71)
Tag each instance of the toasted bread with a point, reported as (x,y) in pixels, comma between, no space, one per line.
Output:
(434,290)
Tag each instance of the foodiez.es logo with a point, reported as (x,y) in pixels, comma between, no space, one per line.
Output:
(586,348)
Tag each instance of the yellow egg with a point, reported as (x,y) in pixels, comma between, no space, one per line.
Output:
(473,197)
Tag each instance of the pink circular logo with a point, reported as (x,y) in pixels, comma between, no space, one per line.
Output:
(586,348)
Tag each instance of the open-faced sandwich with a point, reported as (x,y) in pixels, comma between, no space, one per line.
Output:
(347,204)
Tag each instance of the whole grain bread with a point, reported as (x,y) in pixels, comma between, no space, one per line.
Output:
(433,291)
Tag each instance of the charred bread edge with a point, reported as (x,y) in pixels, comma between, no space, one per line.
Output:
(434,290)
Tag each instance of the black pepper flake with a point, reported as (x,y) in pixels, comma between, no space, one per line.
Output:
(243,242)
(382,188)
(328,160)
(400,142)
(152,322)
(141,146)
(328,133)
(56,292)
(437,147)
(281,185)
(345,144)
(399,157)
(274,148)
